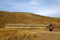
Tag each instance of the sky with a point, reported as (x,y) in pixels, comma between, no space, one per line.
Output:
(41,7)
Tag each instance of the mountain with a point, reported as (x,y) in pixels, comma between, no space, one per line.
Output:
(26,18)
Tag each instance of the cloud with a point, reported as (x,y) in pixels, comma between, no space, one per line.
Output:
(49,12)
(50,9)
(34,2)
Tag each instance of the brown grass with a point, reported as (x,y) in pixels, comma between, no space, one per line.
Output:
(27,34)
(26,18)
(14,34)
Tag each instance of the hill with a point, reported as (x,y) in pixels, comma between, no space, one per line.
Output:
(26,18)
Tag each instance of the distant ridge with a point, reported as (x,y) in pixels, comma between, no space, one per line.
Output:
(26,18)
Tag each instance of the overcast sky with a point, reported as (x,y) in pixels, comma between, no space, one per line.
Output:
(41,7)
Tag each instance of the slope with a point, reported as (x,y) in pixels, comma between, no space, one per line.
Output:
(26,18)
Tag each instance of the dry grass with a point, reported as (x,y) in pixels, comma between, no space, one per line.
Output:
(26,18)
(14,34)
(27,34)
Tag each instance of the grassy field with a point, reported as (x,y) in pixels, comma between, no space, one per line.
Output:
(28,34)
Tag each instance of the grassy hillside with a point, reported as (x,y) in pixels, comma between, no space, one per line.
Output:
(26,18)
(25,34)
